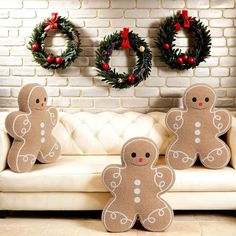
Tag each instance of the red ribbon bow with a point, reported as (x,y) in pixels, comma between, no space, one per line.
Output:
(51,23)
(186,19)
(125,36)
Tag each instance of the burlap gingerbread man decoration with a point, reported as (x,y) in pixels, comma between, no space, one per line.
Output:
(136,186)
(31,127)
(197,128)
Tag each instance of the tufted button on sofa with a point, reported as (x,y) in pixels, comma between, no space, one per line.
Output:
(89,143)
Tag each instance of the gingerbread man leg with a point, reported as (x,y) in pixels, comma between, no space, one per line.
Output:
(216,156)
(21,158)
(50,151)
(157,215)
(180,155)
(118,216)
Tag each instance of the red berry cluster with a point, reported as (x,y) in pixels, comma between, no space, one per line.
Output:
(50,58)
(106,67)
(185,59)
(182,59)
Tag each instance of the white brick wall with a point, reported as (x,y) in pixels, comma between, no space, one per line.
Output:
(122,4)
(197,4)
(210,13)
(78,88)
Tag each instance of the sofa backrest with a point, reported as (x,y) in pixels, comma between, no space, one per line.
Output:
(106,132)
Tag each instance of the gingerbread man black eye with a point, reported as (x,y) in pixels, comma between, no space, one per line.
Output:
(206,99)
(147,155)
(133,154)
(194,99)
(37,100)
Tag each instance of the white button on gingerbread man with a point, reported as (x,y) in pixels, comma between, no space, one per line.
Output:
(197,128)
(31,127)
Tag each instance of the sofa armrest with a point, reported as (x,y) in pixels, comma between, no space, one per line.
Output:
(231,141)
(4,147)
(5,141)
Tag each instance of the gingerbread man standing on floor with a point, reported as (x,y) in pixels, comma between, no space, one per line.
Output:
(31,127)
(136,186)
(197,128)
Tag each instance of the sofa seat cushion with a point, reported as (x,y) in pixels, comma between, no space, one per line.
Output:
(83,174)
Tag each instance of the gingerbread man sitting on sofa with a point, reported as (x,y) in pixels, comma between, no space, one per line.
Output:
(136,186)
(31,129)
(197,128)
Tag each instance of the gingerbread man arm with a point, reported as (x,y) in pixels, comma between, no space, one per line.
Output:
(53,114)
(164,178)
(17,124)
(174,119)
(222,120)
(112,177)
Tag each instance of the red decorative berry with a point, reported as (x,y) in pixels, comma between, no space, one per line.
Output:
(166,46)
(35,47)
(180,60)
(59,60)
(105,66)
(191,60)
(185,57)
(131,78)
(50,59)
(177,26)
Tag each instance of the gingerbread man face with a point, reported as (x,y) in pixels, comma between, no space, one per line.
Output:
(38,99)
(200,97)
(135,154)
(31,129)
(136,186)
(32,97)
(197,128)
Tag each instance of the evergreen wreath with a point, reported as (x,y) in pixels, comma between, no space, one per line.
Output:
(115,41)
(175,58)
(48,60)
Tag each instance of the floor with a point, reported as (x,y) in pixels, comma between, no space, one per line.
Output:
(88,223)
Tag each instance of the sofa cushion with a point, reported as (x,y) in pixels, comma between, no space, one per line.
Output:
(83,174)
(106,132)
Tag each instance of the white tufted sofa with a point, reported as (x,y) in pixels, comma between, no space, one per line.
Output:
(90,142)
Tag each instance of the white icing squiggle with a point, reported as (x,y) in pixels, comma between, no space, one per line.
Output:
(184,159)
(51,152)
(151,218)
(114,215)
(211,157)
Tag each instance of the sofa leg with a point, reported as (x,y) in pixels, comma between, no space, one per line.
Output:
(3,214)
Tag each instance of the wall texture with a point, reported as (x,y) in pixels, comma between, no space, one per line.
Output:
(78,88)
